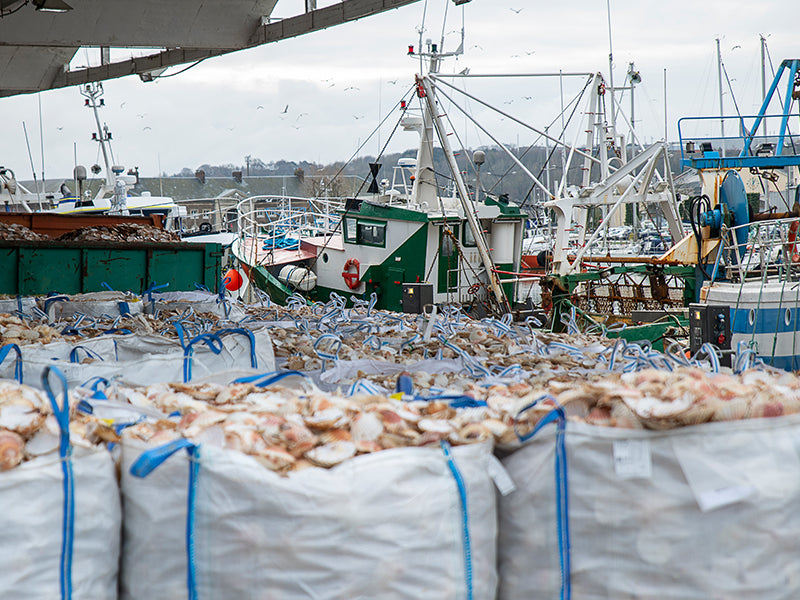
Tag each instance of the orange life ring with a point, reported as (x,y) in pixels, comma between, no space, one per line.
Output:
(353,280)
(791,247)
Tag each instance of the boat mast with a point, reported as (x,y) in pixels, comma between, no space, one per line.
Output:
(93,92)
(764,74)
(424,86)
(721,109)
(763,67)
(611,80)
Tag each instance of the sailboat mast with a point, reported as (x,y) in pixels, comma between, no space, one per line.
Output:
(721,110)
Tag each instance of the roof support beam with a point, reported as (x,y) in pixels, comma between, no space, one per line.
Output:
(315,20)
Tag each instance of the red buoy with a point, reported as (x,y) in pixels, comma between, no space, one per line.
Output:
(234,280)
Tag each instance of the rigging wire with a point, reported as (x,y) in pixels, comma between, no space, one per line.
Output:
(733,97)
(356,153)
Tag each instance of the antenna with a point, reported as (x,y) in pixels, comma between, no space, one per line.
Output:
(41,139)
(33,169)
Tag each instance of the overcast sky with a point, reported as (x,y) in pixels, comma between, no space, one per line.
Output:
(338,84)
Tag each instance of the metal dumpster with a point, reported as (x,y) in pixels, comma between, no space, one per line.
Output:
(37,268)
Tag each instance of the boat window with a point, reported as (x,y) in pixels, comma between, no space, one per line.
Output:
(467,238)
(372,234)
(350,231)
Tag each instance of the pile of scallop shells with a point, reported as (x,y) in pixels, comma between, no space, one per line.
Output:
(16,232)
(661,399)
(124,232)
(286,430)
(16,331)
(398,338)
(28,428)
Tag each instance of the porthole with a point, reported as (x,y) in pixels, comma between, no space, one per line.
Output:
(751,317)
(324,257)
(787,316)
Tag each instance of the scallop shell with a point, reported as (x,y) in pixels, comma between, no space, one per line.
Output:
(765,408)
(436,426)
(502,432)
(367,446)
(325,419)
(45,440)
(274,458)
(21,415)
(471,434)
(11,449)
(699,412)
(731,410)
(206,392)
(331,454)
(335,435)
(366,427)
(600,416)
(211,436)
(234,393)
(297,438)
(193,423)
(623,417)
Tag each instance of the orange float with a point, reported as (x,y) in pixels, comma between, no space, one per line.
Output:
(235,280)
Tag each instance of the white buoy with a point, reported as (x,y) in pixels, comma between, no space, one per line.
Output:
(298,277)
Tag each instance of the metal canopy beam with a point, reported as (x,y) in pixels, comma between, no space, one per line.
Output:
(316,20)
(138,24)
(14,81)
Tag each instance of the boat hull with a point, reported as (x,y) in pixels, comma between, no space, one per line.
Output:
(764,316)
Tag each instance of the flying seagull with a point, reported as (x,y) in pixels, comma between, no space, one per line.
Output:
(516,10)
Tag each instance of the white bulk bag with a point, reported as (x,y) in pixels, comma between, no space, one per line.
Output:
(142,359)
(21,303)
(32,525)
(387,525)
(92,304)
(708,511)
(60,524)
(199,301)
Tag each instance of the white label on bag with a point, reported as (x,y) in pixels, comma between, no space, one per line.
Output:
(632,459)
(724,496)
(496,470)
(741,465)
